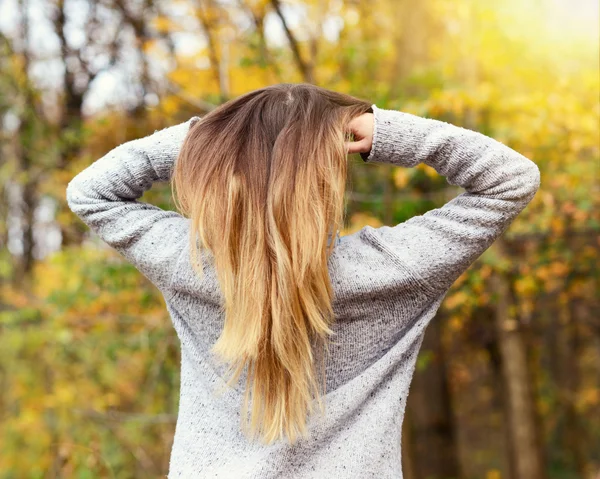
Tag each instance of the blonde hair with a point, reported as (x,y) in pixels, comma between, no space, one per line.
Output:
(262,179)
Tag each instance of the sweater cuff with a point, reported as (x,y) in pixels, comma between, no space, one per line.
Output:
(396,136)
(368,156)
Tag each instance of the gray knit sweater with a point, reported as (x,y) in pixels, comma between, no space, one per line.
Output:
(388,283)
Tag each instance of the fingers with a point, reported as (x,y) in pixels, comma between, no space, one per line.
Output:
(362,146)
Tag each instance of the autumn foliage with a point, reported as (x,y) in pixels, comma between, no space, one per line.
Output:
(507,382)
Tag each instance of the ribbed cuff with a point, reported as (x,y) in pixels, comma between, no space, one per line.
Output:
(397,135)
(367,157)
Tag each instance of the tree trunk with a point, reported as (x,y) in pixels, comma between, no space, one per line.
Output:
(429,404)
(485,315)
(574,437)
(526,455)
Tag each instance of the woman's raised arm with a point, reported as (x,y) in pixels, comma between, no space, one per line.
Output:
(442,243)
(105,196)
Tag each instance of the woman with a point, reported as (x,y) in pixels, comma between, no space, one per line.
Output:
(257,280)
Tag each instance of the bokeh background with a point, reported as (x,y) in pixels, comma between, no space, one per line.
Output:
(508,379)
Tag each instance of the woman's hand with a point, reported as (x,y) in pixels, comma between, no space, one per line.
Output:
(362,129)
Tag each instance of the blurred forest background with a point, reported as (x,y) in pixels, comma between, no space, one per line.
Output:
(507,384)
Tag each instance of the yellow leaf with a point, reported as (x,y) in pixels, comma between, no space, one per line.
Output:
(457,299)
(401,177)
(493,474)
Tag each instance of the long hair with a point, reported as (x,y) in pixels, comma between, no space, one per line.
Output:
(262,179)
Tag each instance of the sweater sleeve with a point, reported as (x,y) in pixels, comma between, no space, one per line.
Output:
(438,246)
(105,197)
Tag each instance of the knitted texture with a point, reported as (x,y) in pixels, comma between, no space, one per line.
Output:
(388,284)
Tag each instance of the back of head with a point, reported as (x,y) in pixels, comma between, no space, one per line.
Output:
(262,179)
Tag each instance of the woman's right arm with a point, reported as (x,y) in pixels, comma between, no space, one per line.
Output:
(441,244)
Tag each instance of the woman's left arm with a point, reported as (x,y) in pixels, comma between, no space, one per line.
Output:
(105,196)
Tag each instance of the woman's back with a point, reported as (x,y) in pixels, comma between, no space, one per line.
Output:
(388,283)
(368,370)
